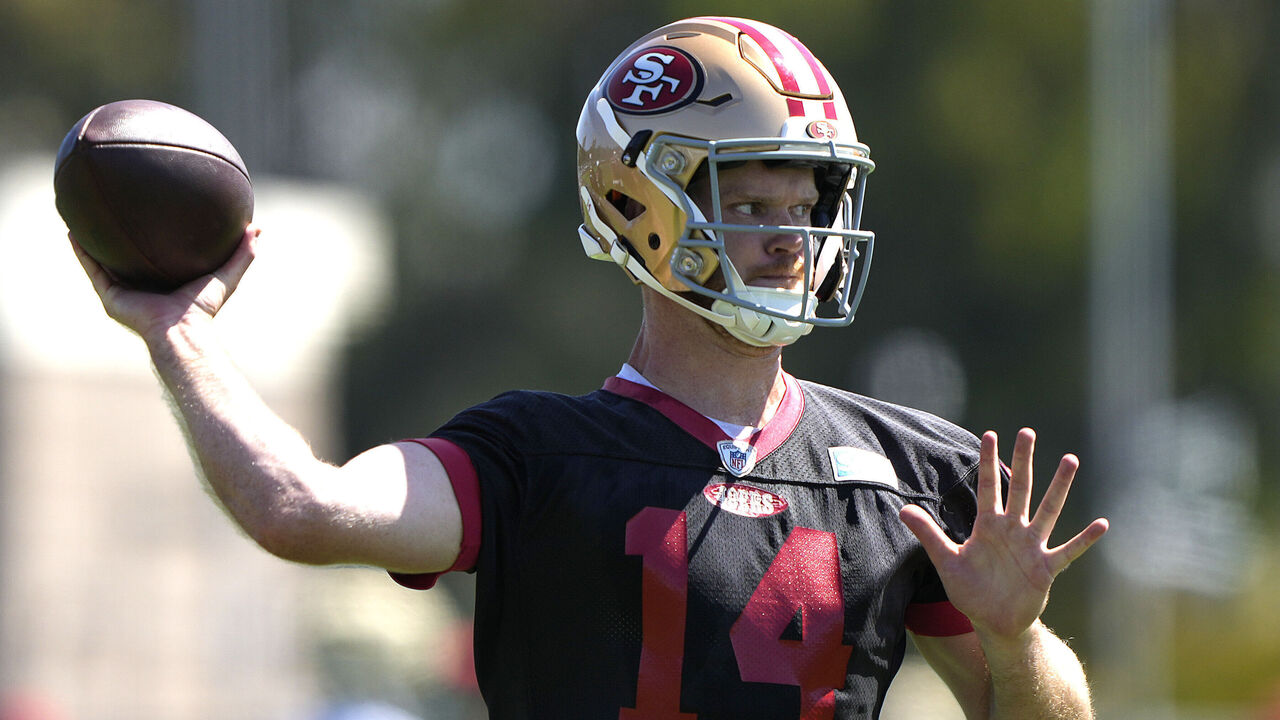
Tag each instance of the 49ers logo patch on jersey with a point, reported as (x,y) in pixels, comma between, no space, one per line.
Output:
(654,80)
(744,500)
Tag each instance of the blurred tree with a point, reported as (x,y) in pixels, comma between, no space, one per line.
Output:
(64,57)
(1227,156)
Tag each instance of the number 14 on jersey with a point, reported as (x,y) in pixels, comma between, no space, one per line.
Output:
(804,579)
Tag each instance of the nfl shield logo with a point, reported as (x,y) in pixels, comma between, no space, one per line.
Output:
(738,461)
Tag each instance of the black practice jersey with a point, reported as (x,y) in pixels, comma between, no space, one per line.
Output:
(632,562)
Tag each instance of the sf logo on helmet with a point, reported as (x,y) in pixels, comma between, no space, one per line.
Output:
(654,80)
(647,75)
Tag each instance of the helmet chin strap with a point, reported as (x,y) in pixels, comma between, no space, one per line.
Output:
(757,328)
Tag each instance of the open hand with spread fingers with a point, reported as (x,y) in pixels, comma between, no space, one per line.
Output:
(1000,577)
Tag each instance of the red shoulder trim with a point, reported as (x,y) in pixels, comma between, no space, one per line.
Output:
(466,488)
(937,619)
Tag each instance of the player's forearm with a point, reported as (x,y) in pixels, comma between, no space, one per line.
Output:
(1036,676)
(258,467)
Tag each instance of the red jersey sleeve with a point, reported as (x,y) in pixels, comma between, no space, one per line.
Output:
(466,489)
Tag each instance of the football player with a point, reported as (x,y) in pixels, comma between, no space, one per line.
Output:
(706,536)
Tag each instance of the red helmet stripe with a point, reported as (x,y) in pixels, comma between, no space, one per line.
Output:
(814,66)
(785,72)
(828,107)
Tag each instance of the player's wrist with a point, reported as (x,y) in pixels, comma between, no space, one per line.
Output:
(1008,648)
(180,340)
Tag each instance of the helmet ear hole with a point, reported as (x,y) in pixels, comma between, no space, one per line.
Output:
(655,242)
(627,206)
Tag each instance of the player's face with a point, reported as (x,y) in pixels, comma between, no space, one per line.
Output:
(753,194)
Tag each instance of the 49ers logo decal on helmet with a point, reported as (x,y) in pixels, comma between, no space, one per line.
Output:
(654,80)
(822,130)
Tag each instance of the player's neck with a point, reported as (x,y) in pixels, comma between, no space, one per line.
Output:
(702,366)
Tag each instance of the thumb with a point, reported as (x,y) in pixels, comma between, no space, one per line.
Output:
(211,292)
(925,528)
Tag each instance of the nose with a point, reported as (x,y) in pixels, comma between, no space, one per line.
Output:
(783,243)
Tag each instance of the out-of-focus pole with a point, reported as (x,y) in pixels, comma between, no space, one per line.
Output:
(239,76)
(1131,335)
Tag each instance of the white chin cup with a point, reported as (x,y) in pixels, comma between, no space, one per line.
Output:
(760,329)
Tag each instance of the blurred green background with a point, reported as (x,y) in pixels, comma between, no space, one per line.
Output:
(458,118)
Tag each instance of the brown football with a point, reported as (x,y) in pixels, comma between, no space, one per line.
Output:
(152,192)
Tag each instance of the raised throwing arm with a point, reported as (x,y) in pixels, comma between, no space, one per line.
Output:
(392,506)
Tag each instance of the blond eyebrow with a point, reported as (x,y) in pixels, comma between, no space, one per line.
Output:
(739,194)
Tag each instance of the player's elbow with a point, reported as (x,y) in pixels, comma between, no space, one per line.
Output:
(295,525)
(292,537)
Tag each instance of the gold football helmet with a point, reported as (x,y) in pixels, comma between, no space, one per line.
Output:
(697,96)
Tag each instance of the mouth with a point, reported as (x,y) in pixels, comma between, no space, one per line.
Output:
(784,273)
(783,281)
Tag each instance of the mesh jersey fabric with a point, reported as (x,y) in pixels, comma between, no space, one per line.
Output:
(622,571)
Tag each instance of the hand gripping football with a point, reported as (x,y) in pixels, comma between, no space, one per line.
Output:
(152,192)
